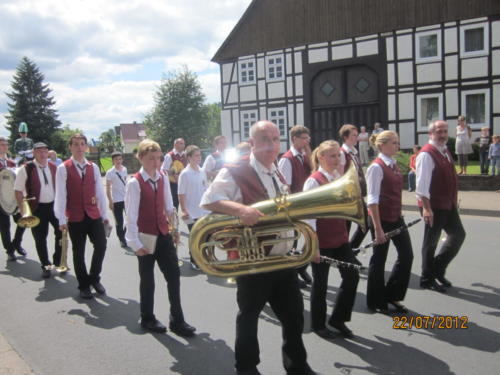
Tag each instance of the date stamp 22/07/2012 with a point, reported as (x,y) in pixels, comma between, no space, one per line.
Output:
(432,322)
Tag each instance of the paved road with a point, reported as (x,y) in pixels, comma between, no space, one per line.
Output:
(55,332)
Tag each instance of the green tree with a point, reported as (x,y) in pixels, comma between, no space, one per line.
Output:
(31,102)
(213,128)
(179,111)
(60,140)
(110,141)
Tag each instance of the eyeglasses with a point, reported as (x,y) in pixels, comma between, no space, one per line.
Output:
(305,137)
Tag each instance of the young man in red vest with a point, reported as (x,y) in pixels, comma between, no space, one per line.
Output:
(10,246)
(175,161)
(148,203)
(232,192)
(214,162)
(37,179)
(295,166)
(80,206)
(437,187)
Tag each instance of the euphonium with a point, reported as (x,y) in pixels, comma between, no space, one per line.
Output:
(28,220)
(63,263)
(339,199)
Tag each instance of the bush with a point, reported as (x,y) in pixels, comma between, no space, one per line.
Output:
(403,160)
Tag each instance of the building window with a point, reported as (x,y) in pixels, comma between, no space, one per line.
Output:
(476,107)
(275,68)
(248,118)
(474,40)
(428,46)
(278,116)
(247,72)
(429,109)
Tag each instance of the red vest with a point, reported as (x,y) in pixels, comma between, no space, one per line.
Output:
(81,196)
(332,233)
(389,202)
(182,158)
(300,171)
(444,182)
(361,175)
(10,164)
(33,185)
(152,217)
(252,189)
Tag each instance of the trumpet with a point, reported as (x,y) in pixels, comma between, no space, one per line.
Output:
(28,220)
(63,263)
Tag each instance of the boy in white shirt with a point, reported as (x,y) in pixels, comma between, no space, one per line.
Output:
(116,180)
(192,185)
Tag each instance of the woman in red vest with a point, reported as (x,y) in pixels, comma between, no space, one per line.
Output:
(333,243)
(385,184)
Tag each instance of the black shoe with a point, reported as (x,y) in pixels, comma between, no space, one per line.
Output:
(380,309)
(302,284)
(99,288)
(399,307)
(194,266)
(342,328)
(46,273)
(253,371)
(444,281)
(21,251)
(11,257)
(305,276)
(324,333)
(432,285)
(182,329)
(86,294)
(153,326)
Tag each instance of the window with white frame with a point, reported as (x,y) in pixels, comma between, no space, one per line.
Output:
(275,68)
(278,116)
(474,40)
(476,107)
(428,46)
(429,109)
(247,120)
(247,71)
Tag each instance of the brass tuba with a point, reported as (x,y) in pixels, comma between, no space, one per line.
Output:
(28,220)
(338,199)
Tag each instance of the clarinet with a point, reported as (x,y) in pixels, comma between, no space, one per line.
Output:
(388,235)
(338,263)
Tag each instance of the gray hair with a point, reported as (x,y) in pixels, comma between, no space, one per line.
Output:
(432,125)
(254,129)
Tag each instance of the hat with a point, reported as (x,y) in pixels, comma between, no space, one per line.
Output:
(23,128)
(39,145)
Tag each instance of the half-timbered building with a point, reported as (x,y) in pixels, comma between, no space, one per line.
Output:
(323,63)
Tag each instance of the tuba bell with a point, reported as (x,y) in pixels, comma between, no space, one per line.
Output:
(339,199)
(28,220)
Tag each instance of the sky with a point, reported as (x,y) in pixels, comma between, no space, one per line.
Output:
(104,60)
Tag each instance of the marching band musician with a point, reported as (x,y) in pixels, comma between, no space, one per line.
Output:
(23,145)
(80,207)
(148,201)
(385,185)
(233,190)
(38,179)
(116,178)
(10,246)
(333,243)
(214,162)
(175,160)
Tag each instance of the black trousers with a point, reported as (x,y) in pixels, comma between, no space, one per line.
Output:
(281,290)
(173,190)
(7,243)
(346,295)
(78,232)
(166,257)
(45,212)
(435,266)
(359,235)
(190,226)
(118,209)
(378,291)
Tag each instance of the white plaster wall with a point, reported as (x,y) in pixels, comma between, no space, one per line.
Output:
(298,62)
(342,52)
(405,73)
(391,103)
(225,123)
(391,78)
(406,134)
(262,90)
(283,147)
(495,58)
(276,90)
(389,48)
(288,61)
(451,67)
(495,32)
(404,47)
(237,137)
(226,72)
(450,40)
(392,127)
(262,113)
(298,86)
(291,116)
(406,106)
(369,47)
(289,86)
(496,98)
(300,113)
(248,93)
(233,93)
(475,67)
(318,55)
(451,102)
(261,67)
(423,139)
(496,125)
(429,73)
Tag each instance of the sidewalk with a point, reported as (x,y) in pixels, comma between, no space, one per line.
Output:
(11,362)
(477,203)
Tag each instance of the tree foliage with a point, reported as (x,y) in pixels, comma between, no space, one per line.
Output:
(110,141)
(180,111)
(60,140)
(31,102)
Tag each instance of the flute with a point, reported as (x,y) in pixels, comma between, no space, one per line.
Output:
(388,235)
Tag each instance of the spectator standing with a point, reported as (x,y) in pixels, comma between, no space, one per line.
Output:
(463,144)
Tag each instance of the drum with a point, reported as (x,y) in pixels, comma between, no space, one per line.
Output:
(8,203)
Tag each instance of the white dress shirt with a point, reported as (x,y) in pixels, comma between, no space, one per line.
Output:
(424,167)
(61,192)
(47,191)
(210,162)
(225,188)
(133,200)
(285,165)
(117,183)
(192,184)
(167,162)
(348,150)
(374,177)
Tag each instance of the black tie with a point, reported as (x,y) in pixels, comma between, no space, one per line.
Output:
(153,183)
(44,176)
(301,158)
(82,169)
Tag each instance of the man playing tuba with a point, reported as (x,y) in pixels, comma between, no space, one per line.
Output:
(232,192)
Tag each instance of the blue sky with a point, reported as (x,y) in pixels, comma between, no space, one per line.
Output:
(103,60)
